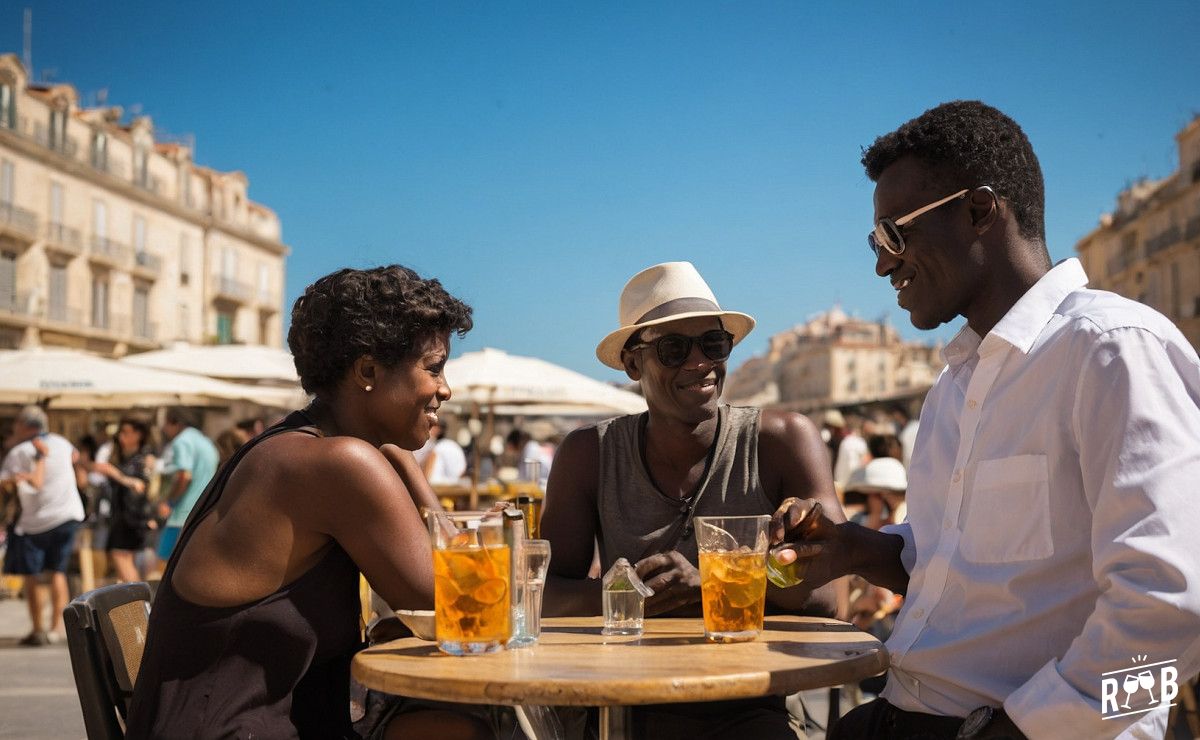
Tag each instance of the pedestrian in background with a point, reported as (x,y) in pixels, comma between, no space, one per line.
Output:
(133,519)
(193,463)
(41,469)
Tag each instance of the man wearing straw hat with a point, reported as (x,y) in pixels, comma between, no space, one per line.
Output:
(634,483)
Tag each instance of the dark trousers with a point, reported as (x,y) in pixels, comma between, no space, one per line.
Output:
(879,719)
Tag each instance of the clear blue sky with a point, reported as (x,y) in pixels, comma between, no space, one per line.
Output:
(535,155)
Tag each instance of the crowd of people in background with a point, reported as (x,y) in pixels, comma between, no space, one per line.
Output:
(121,493)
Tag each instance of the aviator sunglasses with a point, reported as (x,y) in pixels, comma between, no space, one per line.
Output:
(886,233)
(674,349)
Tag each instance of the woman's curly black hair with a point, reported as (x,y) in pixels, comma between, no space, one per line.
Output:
(968,144)
(385,312)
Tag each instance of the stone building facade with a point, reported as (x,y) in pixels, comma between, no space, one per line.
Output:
(113,240)
(1148,248)
(835,360)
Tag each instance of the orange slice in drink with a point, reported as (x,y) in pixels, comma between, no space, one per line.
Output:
(490,591)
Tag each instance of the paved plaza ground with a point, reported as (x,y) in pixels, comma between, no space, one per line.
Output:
(37,691)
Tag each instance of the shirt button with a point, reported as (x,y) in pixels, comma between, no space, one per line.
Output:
(919,613)
(947,525)
(957,476)
(971,404)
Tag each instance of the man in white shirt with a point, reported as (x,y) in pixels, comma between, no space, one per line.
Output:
(442,461)
(42,469)
(1049,548)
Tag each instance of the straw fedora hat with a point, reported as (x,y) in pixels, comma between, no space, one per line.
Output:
(666,292)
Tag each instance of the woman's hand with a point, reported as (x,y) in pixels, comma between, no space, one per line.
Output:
(675,581)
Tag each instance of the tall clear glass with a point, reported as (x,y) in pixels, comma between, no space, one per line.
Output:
(472,597)
(533,560)
(733,575)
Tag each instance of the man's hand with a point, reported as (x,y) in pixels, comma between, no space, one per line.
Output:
(675,581)
(808,534)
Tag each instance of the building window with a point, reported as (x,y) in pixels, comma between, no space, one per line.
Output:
(99,223)
(224,328)
(185,258)
(141,174)
(58,292)
(184,329)
(6,182)
(141,303)
(58,129)
(100,151)
(8,104)
(1176,305)
(8,281)
(264,284)
(264,328)
(139,235)
(56,205)
(100,302)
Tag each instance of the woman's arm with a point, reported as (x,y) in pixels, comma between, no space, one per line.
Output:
(413,478)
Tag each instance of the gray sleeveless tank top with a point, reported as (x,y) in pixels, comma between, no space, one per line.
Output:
(638,520)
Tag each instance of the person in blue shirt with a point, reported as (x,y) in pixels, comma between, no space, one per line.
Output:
(194,462)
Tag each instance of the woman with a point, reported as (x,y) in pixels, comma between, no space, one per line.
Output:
(256,619)
(132,517)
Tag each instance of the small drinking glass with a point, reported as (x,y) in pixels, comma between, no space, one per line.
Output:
(733,575)
(472,597)
(533,560)
(624,600)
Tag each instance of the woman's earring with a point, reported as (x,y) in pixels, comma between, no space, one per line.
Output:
(368,388)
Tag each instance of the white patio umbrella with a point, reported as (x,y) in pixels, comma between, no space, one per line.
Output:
(238,362)
(72,379)
(504,383)
(494,378)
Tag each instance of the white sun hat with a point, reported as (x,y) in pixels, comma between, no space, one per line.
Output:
(881,474)
(662,293)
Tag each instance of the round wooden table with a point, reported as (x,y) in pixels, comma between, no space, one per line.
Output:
(573,664)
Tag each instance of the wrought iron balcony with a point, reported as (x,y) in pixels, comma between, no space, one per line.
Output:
(64,238)
(232,289)
(147,262)
(107,250)
(14,219)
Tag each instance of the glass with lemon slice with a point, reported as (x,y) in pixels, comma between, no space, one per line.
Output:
(733,575)
(471,577)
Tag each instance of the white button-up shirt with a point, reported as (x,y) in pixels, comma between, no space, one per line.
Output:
(1053,501)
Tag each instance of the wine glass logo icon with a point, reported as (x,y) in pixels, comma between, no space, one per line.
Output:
(1134,682)
(1146,681)
(1130,685)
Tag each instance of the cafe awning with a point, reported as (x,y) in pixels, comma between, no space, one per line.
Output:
(73,379)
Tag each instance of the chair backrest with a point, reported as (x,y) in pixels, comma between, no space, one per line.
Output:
(106,633)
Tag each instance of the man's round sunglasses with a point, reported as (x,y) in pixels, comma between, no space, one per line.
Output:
(886,233)
(674,349)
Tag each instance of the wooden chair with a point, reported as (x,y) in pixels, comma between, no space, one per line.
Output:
(106,633)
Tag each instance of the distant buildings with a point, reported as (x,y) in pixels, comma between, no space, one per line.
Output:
(114,241)
(835,360)
(1148,249)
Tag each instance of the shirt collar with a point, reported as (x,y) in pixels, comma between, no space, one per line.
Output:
(1023,323)
(960,349)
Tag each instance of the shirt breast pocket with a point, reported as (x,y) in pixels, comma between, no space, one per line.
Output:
(1008,515)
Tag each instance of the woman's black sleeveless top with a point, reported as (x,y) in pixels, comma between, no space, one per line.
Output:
(278,667)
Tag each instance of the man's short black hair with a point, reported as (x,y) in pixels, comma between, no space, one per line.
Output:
(385,312)
(968,144)
(181,415)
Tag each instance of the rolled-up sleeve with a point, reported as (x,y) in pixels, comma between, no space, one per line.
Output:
(908,555)
(1137,424)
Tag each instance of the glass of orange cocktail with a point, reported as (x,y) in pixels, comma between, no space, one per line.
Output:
(472,571)
(733,575)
